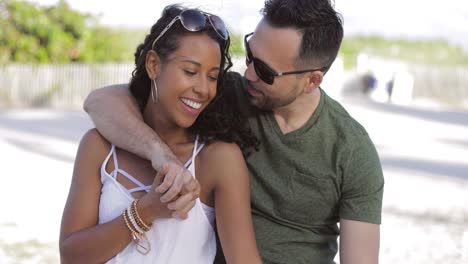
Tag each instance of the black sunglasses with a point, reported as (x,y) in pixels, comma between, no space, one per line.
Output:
(265,72)
(195,20)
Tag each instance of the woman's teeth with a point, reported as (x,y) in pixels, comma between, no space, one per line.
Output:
(191,103)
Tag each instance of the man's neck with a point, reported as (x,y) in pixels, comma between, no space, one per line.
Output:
(296,114)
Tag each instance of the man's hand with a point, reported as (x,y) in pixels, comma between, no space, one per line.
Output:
(179,188)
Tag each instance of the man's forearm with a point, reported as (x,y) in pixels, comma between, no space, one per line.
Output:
(117,117)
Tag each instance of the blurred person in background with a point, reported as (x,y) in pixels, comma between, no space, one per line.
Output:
(316,166)
(117,209)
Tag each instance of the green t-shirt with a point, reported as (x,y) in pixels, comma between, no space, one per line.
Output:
(304,181)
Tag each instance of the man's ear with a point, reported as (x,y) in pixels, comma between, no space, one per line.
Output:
(153,64)
(313,79)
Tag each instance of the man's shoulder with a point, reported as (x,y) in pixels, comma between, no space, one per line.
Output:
(117,86)
(345,124)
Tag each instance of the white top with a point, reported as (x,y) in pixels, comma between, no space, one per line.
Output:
(172,240)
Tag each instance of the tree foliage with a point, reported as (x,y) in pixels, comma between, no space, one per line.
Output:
(30,33)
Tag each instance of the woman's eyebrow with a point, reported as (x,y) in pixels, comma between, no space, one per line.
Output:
(199,64)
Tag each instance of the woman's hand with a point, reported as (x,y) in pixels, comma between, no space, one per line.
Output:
(173,194)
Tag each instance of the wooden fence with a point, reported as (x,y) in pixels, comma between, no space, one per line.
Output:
(68,85)
(446,84)
(57,85)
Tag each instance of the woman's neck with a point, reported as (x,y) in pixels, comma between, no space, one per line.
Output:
(169,132)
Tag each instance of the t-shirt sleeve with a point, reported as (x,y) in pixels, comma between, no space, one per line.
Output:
(363,183)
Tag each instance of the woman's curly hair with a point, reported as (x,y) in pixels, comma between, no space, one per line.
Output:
(220,119)
(223,119)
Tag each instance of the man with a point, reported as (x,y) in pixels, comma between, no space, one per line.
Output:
(315,167)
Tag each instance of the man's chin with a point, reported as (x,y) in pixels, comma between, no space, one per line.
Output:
(258,103)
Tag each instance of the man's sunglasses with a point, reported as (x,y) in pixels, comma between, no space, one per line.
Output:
(263,71)
(195,20)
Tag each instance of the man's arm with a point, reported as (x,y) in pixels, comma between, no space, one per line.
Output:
(116,116)
(359,242)
(361,203)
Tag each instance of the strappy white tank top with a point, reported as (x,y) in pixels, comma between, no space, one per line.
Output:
(172,240)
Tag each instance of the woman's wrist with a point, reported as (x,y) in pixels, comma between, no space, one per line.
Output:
(146,210)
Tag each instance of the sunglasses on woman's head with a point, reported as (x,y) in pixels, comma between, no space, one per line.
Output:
(263,71)
(195,20)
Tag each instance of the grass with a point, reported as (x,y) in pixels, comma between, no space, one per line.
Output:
(429,52)
(31,251)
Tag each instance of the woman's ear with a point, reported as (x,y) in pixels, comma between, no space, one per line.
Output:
(153,64)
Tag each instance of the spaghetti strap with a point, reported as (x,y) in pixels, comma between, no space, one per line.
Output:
(104,163)
(194,150)
(139,189)
(131,178)
(116,171)
(200,147)
(188,162)
(116,164)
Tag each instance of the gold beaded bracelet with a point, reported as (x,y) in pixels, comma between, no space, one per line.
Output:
(127,223)
(142,244)
(137,217)
(132,220)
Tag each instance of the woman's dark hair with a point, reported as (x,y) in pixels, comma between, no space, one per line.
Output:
(212,124)
(223,119)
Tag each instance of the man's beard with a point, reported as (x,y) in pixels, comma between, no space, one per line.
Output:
(267,103)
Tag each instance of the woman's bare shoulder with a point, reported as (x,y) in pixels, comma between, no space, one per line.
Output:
(220,151)
(222,159)
(93,146)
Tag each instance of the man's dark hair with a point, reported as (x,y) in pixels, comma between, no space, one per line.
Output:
(320,24)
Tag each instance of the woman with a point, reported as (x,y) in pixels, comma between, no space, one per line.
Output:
(113,214)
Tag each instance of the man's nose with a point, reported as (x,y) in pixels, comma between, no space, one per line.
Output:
(250,73)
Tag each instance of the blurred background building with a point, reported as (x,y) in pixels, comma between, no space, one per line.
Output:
(402,72)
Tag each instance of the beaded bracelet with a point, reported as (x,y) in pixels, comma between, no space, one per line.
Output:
(133,221)
(138,219)
(142,244)
(127,223)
